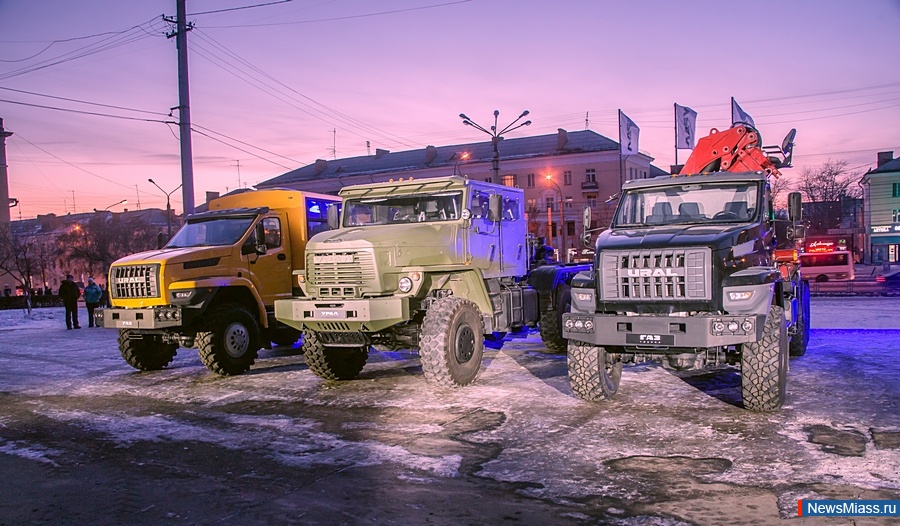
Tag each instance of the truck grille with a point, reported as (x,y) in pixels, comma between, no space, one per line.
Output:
(135,281)
(340,270)
(667,274)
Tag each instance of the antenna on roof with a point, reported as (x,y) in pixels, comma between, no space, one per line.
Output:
(586,114)
(368,148)
(333,149)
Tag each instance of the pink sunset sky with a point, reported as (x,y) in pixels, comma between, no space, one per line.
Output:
(277,86)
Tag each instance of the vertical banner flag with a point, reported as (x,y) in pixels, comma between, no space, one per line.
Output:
(628,135)
(685,127)
(739,116)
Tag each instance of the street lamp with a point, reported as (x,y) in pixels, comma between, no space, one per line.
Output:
(122,202)
(496,136)
(168,207)
(562,221)
(462,157)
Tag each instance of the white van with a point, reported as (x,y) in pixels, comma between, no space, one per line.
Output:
(827,266)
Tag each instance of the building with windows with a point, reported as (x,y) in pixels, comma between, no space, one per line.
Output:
(881,191)
(560,173)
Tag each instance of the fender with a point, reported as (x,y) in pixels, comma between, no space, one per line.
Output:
(213,288)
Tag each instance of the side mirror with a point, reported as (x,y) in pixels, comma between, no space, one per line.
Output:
(795,206)
(797,232)
(496,207)
(586,223)
(334,219)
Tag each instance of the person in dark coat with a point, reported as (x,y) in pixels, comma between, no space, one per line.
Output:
(92,296)
(69,292)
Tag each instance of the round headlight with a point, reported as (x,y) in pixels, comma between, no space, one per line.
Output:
(405,284)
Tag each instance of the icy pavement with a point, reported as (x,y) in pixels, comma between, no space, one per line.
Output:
(86,439)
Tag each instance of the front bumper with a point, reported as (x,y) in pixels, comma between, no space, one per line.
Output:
(364,315)
(142,318)
(663,332)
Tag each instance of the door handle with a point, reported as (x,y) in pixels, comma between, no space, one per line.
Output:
(281,257)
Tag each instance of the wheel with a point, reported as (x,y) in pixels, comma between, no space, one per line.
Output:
(145,353)
(452,342)
(764,365)
(594,374)
(333,363)
(800,339)
(551,322)
(231,341)
(284,335)
(821,278)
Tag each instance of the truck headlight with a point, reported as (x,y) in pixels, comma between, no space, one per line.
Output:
(740,296)
(405,284)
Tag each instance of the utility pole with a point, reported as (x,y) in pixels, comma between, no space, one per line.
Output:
(5,201)
(184,105)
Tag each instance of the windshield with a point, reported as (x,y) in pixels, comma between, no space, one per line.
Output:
(689,204)
(403,209)
(214,231)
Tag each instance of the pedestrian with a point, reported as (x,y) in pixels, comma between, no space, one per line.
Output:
(69,292)
(104,299)
(92,295)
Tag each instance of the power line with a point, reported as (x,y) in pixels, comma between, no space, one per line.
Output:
(82,112)
(82,101)
(19,135)
(238,8)
(312,111)
(346,17)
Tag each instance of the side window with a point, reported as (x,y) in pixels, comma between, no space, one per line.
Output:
(481,204)
(510,209)
(272,228)
(317,216)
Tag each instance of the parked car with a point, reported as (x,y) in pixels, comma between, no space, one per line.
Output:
(890,280)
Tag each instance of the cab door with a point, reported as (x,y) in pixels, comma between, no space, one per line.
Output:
(271,272)
(483,234)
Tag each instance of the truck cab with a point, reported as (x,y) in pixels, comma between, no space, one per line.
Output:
(695,271)
(214,284)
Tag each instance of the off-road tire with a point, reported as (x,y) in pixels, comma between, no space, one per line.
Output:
(333,363)
(452,342)
(594,374)
(800,339)
(146,353)
(283,335)
(230,344)
(764,365)
(551,322)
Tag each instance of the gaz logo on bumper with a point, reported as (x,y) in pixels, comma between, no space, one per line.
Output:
(650,339)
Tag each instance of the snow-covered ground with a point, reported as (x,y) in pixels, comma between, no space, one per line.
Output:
(668,449)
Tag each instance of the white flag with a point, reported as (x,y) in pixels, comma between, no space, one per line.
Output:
(685,127)
(628,135)
(739,116)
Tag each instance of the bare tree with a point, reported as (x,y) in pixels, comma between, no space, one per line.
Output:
(830,182)
(17,255)
(780,187)
(823,189)
(104,239)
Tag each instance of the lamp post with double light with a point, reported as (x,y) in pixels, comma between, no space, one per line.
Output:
(496,136)
(168,207)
